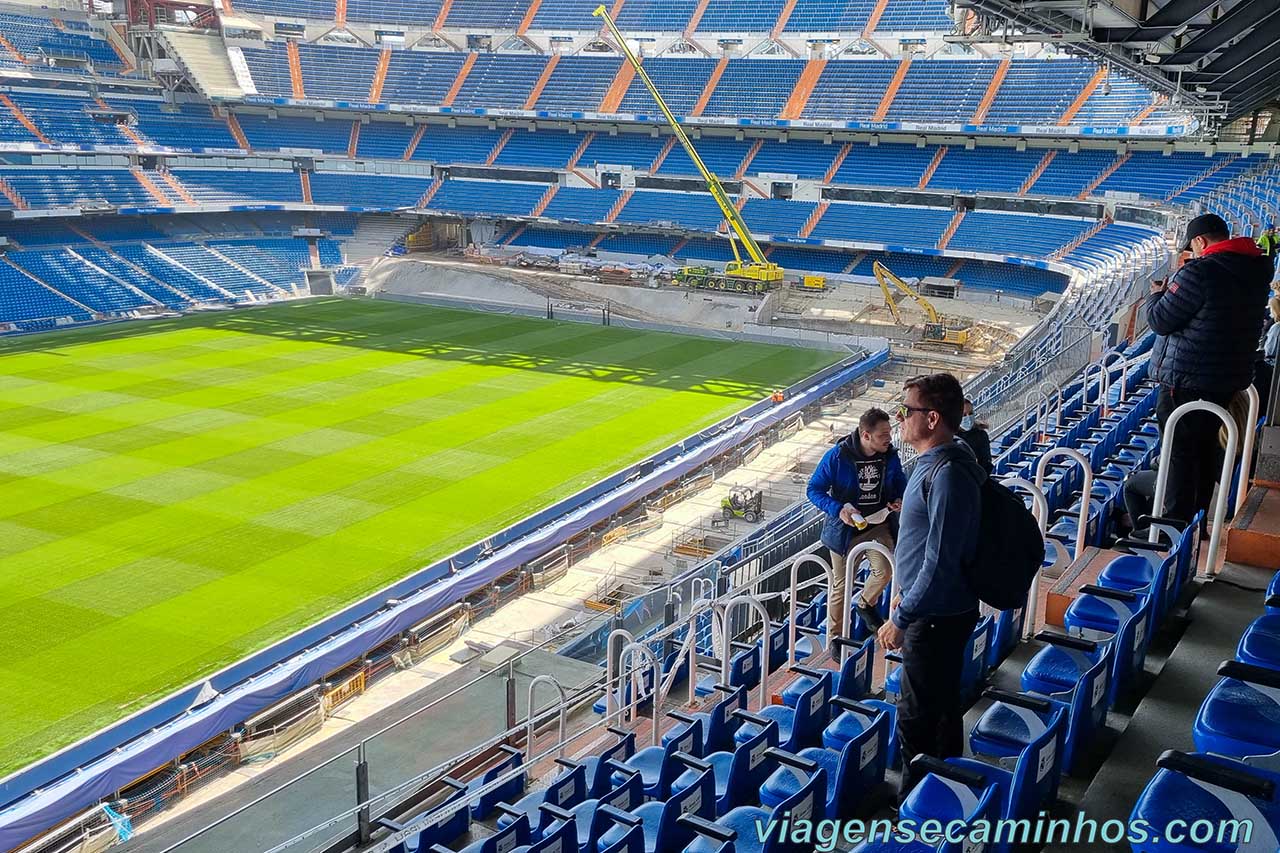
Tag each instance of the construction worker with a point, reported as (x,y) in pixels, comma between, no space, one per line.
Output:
(1269,243)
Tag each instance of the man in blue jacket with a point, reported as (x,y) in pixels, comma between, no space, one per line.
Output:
(1208,319)
(859,478)
(935,610)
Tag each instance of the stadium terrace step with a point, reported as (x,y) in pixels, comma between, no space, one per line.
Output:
(458,81)
(841,155)
(233,125)
(529,15)
(804,89)
(14,197)
(746,160)
(313,250)
(1120,160)
(1146,113)
(783,17)
(425,201)
(354,144)
(149,185)
(890,93)
(177,187)
(696,18)
(541,207)
(619,205)
(413,143)
(709,89)
(662,155)
(993,89)
(933,166)
(873,20)
(1037,172)
(295,69)
(13,51)
(380,76)
(1254,538)
(545,76)
(951,229)
(206,61)
(305,177)
(587,139)
(1094,82)
(618,89)
(443,15)
(814,218)
(340,13)
(1205,175)
(502,143)
(23,119)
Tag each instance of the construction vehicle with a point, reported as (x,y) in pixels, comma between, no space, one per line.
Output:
(938,329)
(747,504)
(754,275)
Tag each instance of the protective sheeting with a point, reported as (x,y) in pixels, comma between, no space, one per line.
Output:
(101,779)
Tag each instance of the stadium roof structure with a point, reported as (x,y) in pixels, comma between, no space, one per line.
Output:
(1219,58)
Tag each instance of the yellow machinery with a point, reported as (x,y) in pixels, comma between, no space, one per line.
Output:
(754,275)
(937,330)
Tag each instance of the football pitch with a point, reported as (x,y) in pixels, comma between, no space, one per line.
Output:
(178,494)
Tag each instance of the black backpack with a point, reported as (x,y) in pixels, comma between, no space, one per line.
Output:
(1010,548)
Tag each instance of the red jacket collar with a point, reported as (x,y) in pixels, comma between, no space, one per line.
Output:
(1237,246)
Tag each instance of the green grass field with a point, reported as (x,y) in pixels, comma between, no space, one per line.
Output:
(176,495)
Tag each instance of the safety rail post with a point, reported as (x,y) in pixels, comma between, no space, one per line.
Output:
(628,670)
(726,634)
(563,709)
(850,562)
(1057,394)
(792,628)
(1105,361)
(1086,495)
(611,665)
(1041,404)
(690,647)
(1224,477)
(1040,509)
(363,822)
(1104,385)
(1246,451)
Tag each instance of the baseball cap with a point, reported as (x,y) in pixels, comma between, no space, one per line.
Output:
(1208,223)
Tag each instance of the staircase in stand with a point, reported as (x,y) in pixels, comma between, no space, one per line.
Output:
(997,80)
(354,142)
(951,229)
(340,14)
(13,51)
(529,15)
(380,76)
(955,268)
(618,89)
(1075,244)
(751,155)
(587,139)
(515,235)
(541,206)
(841,155)
(933,167)
(172,182)
(662,155)
(892,91)
(853,264)
(1094,82)
(547,70)
(1146,113)
(443,15)
(618,205)
(709,89)
(425,201)
(467,65)
(800,95)
(696,18)
(129,132)
(814,218)
(502,143)
(305,177)
(1205,175)
(1037,172)
(413,143)
(295,69)
(237,132)
(157,195)
(23,119)
(18,202)
(873,20)
(783,17)
(1106,173)
(50,287)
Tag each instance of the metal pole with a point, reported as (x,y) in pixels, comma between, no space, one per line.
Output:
(362,795)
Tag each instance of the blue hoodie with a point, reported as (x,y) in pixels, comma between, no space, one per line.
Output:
(848,474)
(938,534)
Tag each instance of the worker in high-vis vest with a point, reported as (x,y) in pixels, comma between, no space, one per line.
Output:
(1269,243)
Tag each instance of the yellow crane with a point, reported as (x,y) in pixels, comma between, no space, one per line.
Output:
(755,274)
(937,330)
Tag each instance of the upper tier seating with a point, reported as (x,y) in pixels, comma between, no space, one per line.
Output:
(578,84)
(38,37)
(336,72)
(881,223)
(971,171)
(1016,234)
(78,187)
(942,91)
(420,77)
(497,80)
(1038,91)
(68,119)
(487,197)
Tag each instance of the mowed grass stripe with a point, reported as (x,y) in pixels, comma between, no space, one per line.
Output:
(177,495)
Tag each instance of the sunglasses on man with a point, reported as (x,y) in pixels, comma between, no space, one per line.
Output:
(903,411)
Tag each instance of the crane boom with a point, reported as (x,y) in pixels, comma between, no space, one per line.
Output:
(731,213)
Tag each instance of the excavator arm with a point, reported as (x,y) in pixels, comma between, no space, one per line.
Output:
(887,278)
(737,224)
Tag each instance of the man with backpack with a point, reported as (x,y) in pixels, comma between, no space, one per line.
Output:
(936,608)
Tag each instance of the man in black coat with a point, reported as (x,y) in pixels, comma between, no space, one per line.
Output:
(1208,318)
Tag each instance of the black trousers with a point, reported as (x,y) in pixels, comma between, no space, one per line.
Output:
(1196,458)
(930,716)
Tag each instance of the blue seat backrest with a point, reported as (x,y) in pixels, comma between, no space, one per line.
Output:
(809,803)
(509,791)
(515,834)
(624,748)
(562,838)
(863,761)
(1038,768)
(721,724)
(744,668)
(975,661)
(812,713)
(445,829)
(1130,649)
(778,642)
(856,671)
(568,789)
(699,800)
(749,768)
